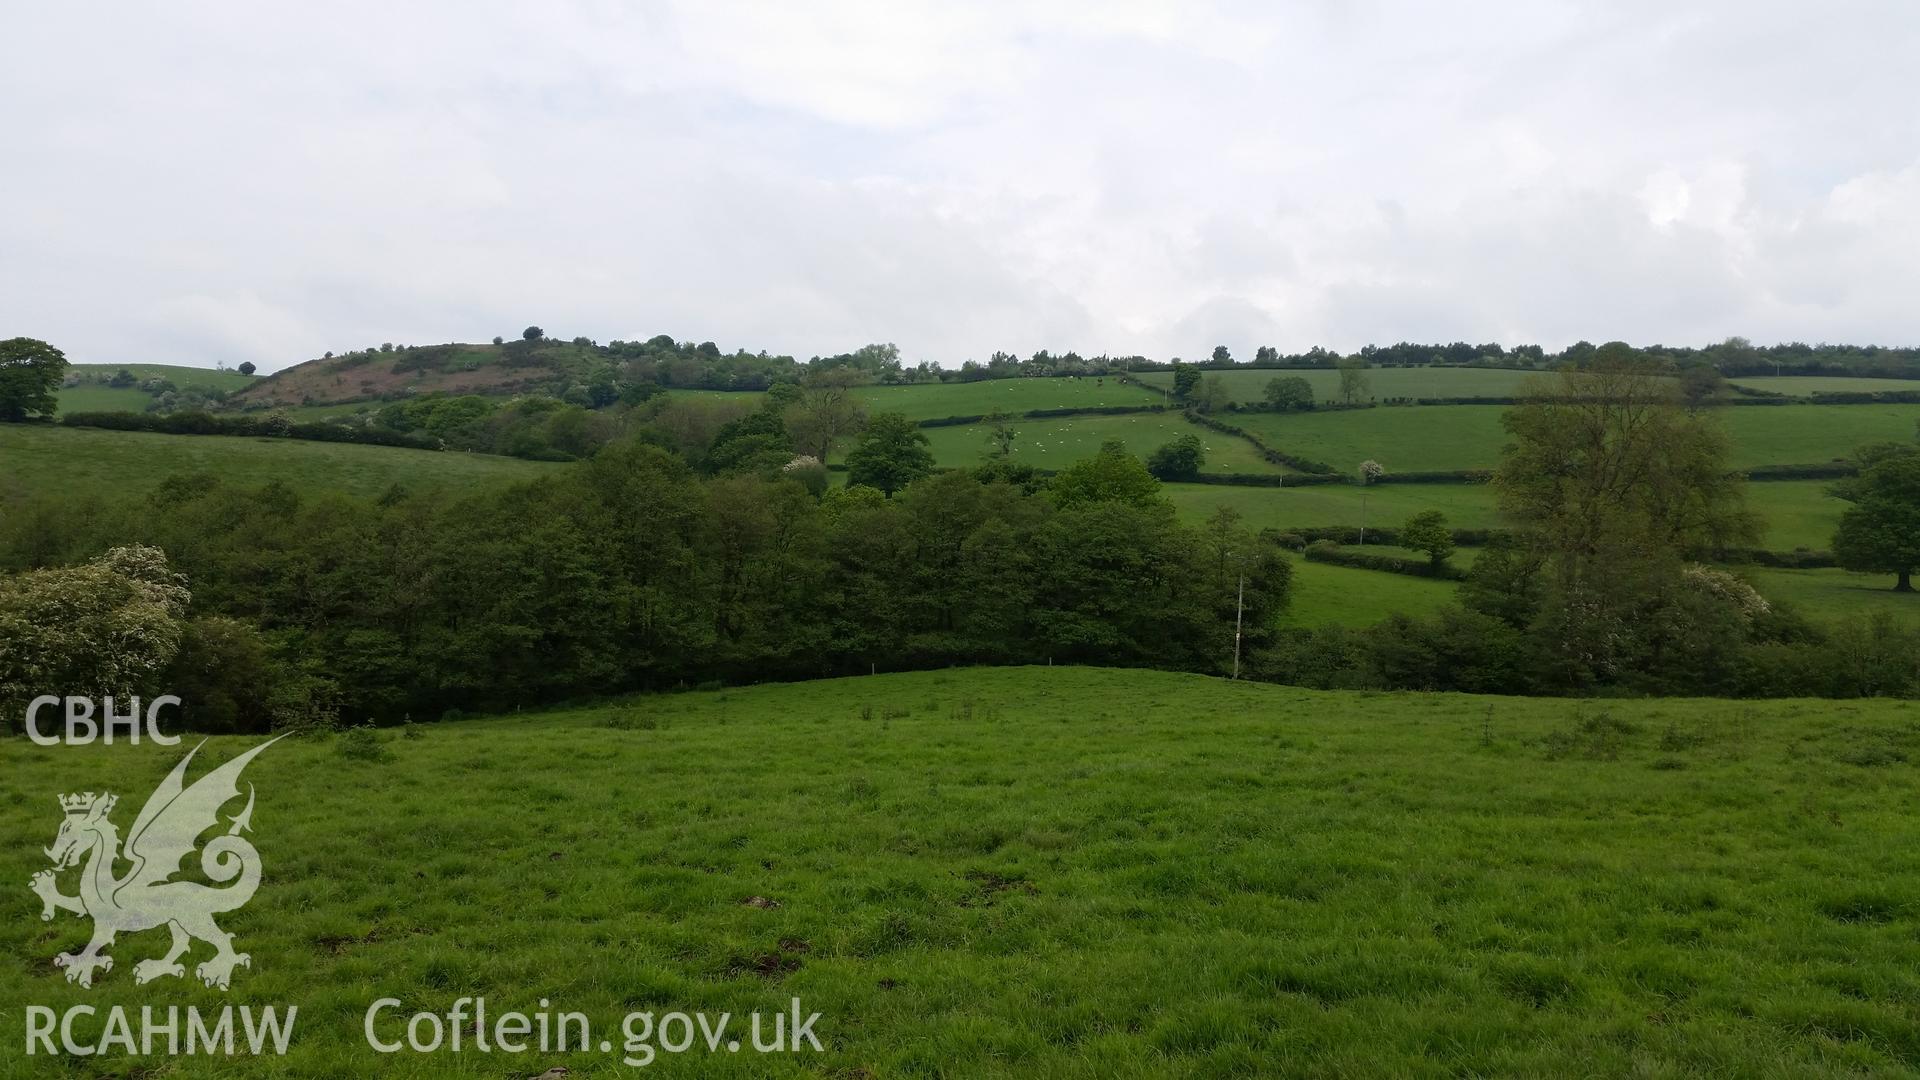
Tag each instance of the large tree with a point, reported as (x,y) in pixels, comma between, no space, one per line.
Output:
(890,454)
(1880,532)
(1353,380)
(1289,392)
(826,412)
(30,373)
(1427,532)
(1180,459)
(1618,484)
(1112,475)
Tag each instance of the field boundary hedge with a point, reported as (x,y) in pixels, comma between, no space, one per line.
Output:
(276,427)
(1326,551)
(1277,457)
(1041,414)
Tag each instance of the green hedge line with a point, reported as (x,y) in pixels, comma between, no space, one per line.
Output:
(1327,552)
(201,423)
(1270,480)
(1305,465)
(1786,560)
(1830,470)
(1043,414)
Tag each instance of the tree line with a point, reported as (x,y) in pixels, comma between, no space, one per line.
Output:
(631,571)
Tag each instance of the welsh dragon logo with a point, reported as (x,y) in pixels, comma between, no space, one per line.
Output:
(165,833)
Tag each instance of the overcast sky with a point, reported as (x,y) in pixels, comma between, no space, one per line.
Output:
(193,183)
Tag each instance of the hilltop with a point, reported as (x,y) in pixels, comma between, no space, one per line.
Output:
(503,370)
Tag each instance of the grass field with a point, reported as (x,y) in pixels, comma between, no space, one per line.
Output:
(178,374)
(1065,873)
(93,398)
(1014,396)
(1056,442)
(1327,595)
(1804,385)
(1419,438)
(1828,594)
(1797,434)
(1404,439)
(1251,385)
(1798,513)
(42,459)
(1467,506)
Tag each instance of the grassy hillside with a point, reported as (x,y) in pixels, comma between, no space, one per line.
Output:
(90,392)
(508,369)
(1831,594)
(39,459)
(1813,433)
(1072,873)
(1056,442)
(1327,595)
(1408,439)
(93,398)
(1805,385)
(1467,506)
(1251,385)
(178,374)
(934,400)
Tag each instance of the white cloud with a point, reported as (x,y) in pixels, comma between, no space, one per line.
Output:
(220,181)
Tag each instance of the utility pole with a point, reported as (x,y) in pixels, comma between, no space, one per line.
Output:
(1239,610)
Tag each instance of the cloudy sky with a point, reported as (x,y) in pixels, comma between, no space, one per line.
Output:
(196,183)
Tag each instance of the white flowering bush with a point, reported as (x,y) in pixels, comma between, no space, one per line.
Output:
(108,627)
(1724,586)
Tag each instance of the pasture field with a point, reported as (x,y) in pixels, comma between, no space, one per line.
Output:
(71,462)
(179,374)
(1420,438)
(1251,385)
(1062,872)
(1797,513)
(1806,385)
(932,401)
(1056,442)
(1467,506)
(95,398)
(1402,438)
(1328,595)
(1828,593)
(1806,434)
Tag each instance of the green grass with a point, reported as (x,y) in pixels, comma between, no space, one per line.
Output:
(1014,396)
(1327,595)
(179,374)
(1070,873)
(1467,506)
(1404,439)
(1057,442)
(1444,437)
(1251,385)
(1828,594)
(1804,385)
(59,461)
(1805,434)
(1798,513)
(94,398)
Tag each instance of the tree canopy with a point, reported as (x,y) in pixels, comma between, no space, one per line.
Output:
(30,373)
